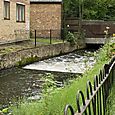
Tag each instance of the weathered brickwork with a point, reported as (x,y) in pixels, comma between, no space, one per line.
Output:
(45,16)
(8,27)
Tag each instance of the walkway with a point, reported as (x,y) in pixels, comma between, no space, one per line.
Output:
(11,47)
(6,48)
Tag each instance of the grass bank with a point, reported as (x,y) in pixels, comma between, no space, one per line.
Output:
(110,110)
(47,40)
(54,102)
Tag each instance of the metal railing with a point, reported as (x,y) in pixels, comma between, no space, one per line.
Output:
(49,34)
(97,94)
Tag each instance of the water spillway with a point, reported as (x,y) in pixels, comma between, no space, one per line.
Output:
(75,62)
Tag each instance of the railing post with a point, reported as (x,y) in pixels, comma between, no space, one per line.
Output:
(50,36)
(35,38)
(62,34)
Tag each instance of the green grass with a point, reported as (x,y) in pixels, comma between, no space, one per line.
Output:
(15,47)
(47,40)
(111,102)
(54,103)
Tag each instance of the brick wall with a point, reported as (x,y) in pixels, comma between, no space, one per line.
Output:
(7,27)
(45,16)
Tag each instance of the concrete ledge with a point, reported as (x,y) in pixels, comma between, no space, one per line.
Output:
(31,55)
(13,41)
(95,40)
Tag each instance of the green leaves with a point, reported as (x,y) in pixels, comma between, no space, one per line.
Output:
(92,9)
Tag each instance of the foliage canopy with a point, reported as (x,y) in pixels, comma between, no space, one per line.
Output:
(92,9)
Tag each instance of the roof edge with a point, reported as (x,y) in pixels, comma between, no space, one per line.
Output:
(46,1)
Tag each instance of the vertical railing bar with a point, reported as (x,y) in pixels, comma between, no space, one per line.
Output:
(35,38)
(113,74)
(103,90)
(111,79)
(91,93)
(78,105)
(77,100)
(103,87)
(62,34)
(89,109)
(50,36)
(83,101)
(97,95)
(86,112)
(88,98)
(93,106)
(106,88)
(109,82)
(94,97)
(100,103)
(70,108)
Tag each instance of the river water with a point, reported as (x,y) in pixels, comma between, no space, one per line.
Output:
(27,81)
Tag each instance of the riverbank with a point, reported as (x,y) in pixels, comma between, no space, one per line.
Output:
(22,55)
(110,109)
(54,102)
(19,82)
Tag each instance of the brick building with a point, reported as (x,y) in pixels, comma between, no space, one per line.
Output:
(14,20)
(45,15)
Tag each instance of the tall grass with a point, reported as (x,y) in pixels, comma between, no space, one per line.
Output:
(54,103)
(110,109)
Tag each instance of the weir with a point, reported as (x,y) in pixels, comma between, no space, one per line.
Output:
(70,63)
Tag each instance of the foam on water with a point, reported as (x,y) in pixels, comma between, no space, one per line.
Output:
(72,63)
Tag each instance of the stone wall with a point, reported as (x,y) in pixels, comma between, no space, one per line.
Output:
(36,54)
(8,27)
(45,16)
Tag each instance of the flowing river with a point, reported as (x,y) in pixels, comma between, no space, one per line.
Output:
(27,81)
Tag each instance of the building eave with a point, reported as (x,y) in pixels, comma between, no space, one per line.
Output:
(45,1)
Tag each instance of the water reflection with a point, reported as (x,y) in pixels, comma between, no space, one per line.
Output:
(18,82)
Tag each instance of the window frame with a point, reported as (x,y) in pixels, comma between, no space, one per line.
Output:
(19,18)
(8,13)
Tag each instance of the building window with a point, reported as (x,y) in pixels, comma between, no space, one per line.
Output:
(20,13)
(6,10)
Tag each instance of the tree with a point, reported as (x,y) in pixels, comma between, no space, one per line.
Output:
(93,9)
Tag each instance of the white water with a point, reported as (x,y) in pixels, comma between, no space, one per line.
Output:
(72,63)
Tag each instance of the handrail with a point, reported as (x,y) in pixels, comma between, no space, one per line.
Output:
(95,103)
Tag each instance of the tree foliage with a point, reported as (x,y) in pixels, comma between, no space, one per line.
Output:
(92,9)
